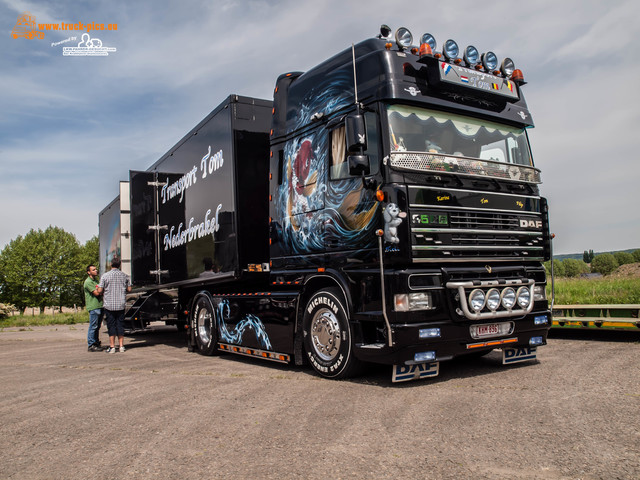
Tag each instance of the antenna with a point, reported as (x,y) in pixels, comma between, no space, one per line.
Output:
(355,81)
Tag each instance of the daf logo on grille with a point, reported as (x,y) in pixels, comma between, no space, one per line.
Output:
(537,224)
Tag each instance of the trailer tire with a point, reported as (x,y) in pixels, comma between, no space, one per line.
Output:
(204,324)
(328,341)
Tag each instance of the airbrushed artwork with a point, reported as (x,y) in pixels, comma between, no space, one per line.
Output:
(313,208)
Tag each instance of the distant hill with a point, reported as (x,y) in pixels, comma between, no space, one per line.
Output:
(578,256)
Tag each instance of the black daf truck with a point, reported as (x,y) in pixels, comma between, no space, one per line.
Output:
(384,208)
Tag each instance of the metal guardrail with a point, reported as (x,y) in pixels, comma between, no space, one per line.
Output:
(618,317)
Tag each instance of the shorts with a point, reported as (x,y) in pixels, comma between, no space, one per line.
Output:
(115,322)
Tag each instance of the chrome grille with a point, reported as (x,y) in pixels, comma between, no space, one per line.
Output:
(477,236)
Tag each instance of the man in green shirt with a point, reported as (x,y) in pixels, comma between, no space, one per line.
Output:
(93,303)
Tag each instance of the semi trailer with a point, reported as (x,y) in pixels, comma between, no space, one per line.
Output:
(383,207)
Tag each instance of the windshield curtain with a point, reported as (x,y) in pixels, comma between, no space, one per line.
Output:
(417,129)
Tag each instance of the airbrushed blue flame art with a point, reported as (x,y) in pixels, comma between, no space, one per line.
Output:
(312,210)
(249,322)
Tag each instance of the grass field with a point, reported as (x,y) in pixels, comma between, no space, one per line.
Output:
(40,320)
(596,291)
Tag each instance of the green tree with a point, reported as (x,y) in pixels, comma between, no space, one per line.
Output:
(558,268)
(636,256)
(623,258)
(587,256)
(89,255)
(573,267)
(40,269)
(605,263)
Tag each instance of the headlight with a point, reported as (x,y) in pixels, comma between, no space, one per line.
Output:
(476,300)
(413,301)
(508,298)
(539,293)
(524,297)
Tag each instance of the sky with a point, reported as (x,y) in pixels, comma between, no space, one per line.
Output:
(71,127)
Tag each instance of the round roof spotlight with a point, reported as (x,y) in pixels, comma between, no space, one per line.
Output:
(507,67)
(493,299)
(429,40)
(508,298)
(489,61)
(450,50)
(476,300)
(403,38)
(385,31)
(471,56)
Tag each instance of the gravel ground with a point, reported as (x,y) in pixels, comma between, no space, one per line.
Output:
(158,411)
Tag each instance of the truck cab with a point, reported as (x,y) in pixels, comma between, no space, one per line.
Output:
(402,179)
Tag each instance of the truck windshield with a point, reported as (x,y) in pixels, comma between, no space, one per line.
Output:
(414,129)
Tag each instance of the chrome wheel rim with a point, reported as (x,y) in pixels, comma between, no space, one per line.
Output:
(204,325)
(325,334)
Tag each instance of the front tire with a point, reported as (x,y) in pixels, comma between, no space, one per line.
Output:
(327,337)
(205,327)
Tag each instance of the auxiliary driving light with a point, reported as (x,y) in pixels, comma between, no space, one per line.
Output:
(533,341)
(524,297)
(403,38)
(429,40)
(476,300)
(489,61)
(507,67)
(425,357)
(450,50)
(493,299)
(508,298)
(471,56)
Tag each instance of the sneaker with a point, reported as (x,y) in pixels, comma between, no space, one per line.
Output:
(111,350)
(95,348)
(121,349)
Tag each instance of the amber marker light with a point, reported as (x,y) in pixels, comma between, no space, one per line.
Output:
(379,232)
(388,45)
(380,196)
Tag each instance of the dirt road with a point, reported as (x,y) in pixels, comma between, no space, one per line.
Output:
(158,411)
